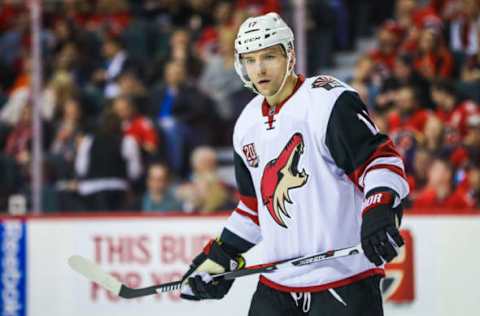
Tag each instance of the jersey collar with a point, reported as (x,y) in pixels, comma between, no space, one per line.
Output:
(266,106)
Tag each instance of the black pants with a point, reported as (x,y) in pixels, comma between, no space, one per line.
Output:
(362,298)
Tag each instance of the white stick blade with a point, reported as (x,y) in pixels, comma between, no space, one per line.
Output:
(92,272)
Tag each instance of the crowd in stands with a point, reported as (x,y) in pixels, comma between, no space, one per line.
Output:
(421,84)
(136,97)
(138,94)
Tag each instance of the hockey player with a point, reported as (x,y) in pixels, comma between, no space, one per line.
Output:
(314,174)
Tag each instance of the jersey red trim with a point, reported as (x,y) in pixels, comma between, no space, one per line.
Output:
(376,200)
(250,202)
(386,149)
(323,287)
(254,218)
(266,106)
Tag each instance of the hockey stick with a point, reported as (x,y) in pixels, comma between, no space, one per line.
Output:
(92,272)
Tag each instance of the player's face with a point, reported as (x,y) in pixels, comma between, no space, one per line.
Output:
(266,69)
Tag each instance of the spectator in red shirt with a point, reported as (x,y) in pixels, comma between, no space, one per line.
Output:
(444,96)
(417,178)
(433,58)
(449,109)
(469,148)
(472,137)
(259,7)
(438,191)
(388,40)
(208,43)
(136,125)
(467,194)
(408,114)
(429,13)
(109,15)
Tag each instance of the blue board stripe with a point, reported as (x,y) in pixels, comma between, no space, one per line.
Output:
(13,268)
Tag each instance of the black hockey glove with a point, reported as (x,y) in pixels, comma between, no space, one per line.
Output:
(215,258)
(379,231)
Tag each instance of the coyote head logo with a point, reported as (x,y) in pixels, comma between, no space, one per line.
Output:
(281,175)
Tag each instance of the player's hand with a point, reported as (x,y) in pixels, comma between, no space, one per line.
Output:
(198,283)
(379,231)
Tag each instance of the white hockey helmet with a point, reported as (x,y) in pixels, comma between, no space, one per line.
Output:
(261,32)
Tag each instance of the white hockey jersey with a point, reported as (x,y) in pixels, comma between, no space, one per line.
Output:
(302,169)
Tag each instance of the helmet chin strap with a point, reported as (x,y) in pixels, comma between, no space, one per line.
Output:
(287,73)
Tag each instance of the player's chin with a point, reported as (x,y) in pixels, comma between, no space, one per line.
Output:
(266,92)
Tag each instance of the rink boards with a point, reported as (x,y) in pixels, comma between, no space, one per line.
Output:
(437,274)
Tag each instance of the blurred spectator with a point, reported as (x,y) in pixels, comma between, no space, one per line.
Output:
(178,48)
(205,193)
(450,109)
(467,194)
(201,13)
(259,7)
(439,188)
(131,86)
(110,16)
(14,30)
(105,163)
(430,13)
(159,196)
(208,43)
(116,61)
(63,32)
(19,94)
(320,22)
(408,113)
(445,99)
(136,125)
(219,79)
(469,149)
(404,10)
(433,59)
(363,79)
(472,137)
(464,29)
(417,178)
(60,88)
(180,45)
(388,41)
(77,58)
(433,135)
(186,116)
(19,141)
(403,74)
(470,72)
(66,133)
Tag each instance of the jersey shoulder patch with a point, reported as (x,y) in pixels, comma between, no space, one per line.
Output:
(327,83)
